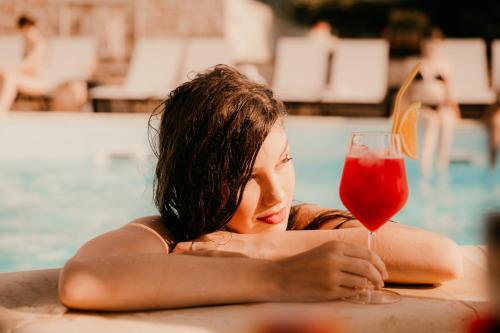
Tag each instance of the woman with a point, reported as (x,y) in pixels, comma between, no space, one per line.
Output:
(26,77)
(439,111)
(492,121)
(224,189)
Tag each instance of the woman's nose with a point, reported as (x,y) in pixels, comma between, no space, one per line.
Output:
(273,193)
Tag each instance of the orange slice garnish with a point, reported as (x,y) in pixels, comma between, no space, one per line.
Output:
(407,129)
(405,123)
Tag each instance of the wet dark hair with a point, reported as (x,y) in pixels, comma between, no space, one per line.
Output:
(24,21)
(210,132)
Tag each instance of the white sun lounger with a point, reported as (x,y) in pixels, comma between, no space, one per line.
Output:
(469,71)
(301,69)
(203,53)
(69,58)
(11,50)
(359,72)
(495,65)
(152,73)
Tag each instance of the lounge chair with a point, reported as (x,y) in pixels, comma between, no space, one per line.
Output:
(469,82)
(495,65)
(152,73)
(300,72)
(203,53)
(359,72)
(11,49)
(69,58)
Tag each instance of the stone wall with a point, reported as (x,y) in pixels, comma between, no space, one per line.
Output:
(179,17)
(116,24)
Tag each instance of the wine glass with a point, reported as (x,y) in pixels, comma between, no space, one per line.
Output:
(374,188)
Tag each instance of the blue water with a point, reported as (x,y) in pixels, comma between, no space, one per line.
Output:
(49,208)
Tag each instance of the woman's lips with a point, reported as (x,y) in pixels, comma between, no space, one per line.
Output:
(274,218)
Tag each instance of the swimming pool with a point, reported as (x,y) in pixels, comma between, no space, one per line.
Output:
(67,178)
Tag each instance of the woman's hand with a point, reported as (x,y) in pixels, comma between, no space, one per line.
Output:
(330,271)
(220,243)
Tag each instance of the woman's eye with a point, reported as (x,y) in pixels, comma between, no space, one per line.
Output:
(287,159)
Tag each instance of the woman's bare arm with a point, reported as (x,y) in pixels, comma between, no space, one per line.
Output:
(411,255)
(130,269)
(115,282)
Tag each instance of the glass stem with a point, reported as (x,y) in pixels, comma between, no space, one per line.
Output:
(371,240)
(371,246)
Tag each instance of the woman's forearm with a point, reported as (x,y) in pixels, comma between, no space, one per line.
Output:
(154,281)
(411,255)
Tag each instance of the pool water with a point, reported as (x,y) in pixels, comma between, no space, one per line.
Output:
(50,207)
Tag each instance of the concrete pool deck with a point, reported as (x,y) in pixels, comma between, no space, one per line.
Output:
(29,304)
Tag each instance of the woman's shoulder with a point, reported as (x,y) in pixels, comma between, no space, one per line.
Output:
(143,235)
(155,225)
(153,221)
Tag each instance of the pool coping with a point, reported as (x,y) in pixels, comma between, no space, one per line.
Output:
(28,303)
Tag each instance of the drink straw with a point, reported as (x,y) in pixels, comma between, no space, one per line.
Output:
(399,96)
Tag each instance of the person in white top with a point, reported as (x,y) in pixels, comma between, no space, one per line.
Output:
(492,120)
(321,32)
(26,77)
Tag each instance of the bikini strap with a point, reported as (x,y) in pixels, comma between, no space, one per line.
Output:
(154,232)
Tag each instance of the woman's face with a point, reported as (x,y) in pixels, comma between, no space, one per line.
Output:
(267,197)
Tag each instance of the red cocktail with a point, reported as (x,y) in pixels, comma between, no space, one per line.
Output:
(374,188)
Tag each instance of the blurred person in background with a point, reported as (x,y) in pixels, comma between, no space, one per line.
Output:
(321,32)
(228,230)
(25,78)
(439,111)
(492,120)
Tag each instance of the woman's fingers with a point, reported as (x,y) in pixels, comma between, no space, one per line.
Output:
(212,253)
(363,253)
(351,281)
(203,249)
(184,247)
(345,292)
(363,268)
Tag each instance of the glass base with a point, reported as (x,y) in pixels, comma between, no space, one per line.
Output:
(369,296)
